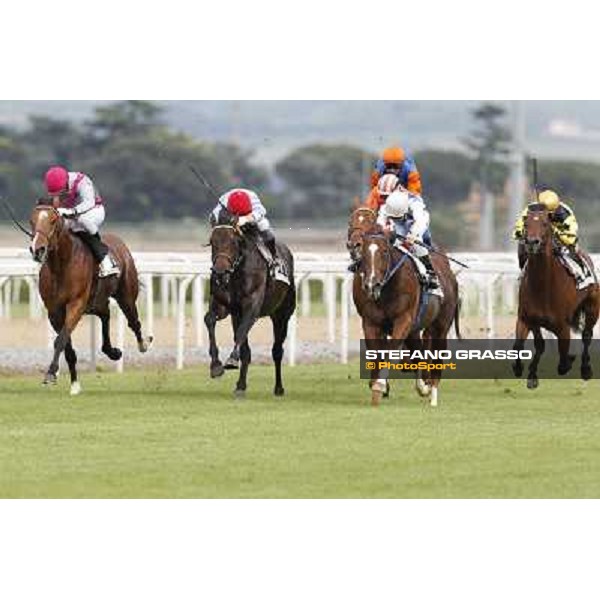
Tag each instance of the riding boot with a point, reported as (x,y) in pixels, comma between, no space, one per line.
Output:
(432,279)
(100,252)
(97,247)
(269,240)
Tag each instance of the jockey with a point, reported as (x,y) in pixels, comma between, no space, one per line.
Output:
(385,186)
(75,197)
(397,161)
(248,208)
(564,227)
(406,215)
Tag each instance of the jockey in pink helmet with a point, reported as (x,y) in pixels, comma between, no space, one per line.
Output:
(75,197)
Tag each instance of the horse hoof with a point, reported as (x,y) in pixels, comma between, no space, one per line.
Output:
(112,353)
(423,389)
(375,397)
(532,383)
(239,394)
(278,391)
(433,400)
(145,345)
(517,369)
(216,370)
(586,372)
(75,388)
(50,379)
(232,363)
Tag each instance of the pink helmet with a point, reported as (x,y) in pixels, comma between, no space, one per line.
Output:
(56,180)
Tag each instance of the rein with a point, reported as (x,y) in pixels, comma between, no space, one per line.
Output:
(391,268)
(235,263)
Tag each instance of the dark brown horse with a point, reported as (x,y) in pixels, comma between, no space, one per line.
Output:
(387,292)
(70,288)
(549,299)
(242,286)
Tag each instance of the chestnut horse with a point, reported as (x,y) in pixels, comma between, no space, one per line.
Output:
(242,287)
(70,288)
(387,295)
(549,299)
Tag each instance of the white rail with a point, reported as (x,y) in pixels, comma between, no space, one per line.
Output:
(177,272)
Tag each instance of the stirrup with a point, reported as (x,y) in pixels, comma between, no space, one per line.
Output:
(107,272)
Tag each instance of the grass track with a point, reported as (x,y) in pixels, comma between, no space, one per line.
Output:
(169,434)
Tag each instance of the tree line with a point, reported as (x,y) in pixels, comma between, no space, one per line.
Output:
(141,166)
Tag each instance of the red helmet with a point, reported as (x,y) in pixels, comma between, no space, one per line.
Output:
(239,203)
(56,180)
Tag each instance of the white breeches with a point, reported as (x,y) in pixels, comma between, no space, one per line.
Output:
(263,224)
(89,221)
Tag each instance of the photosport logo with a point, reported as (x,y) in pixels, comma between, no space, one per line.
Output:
(466,359)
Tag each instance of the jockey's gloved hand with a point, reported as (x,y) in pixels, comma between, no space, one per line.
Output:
(66,212)
(410,238)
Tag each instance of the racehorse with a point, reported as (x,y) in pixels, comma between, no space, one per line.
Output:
(388,296)
(70,288)
(549,299)
(241,286)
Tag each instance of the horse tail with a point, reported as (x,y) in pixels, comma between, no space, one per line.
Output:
(457,319)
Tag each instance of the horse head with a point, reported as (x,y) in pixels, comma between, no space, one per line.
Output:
(362,219)
(226,247)
(376,261)
(537,230)
(46,224)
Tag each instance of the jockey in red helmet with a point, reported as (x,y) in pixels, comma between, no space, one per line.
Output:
(248,208)
(75,197)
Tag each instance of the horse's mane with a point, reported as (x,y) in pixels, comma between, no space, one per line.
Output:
(44,202)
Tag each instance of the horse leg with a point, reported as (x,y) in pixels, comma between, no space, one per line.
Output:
(522,331)
(540,346)
(127,304)
(74,312)
(71,358)
(248,316)
(210,320)
(107,347)
(373,334)
(246,359)
(565,359)
(591,316)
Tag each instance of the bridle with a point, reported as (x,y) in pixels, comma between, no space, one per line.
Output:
(233,262)
(391,268)
(52,231)
(352,229)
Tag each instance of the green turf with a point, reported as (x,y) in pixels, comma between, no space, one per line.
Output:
(180,434)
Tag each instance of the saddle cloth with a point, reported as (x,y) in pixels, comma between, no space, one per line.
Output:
(421,270)
(277,267)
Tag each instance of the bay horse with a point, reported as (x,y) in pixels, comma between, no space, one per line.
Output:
(549,299)
(69,287)
(241,286)
(387,294)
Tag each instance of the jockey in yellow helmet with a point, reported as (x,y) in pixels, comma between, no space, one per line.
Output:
(564,227)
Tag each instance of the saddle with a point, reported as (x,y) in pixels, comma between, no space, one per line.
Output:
(577,265)
(278,268)
(421,271)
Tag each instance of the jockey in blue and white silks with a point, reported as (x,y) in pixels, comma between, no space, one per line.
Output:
(407,216)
